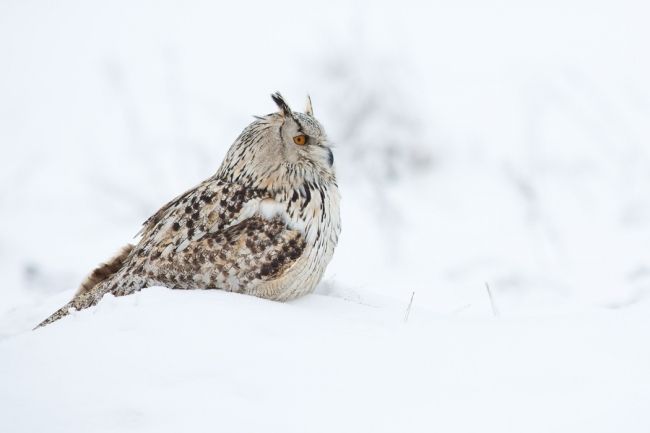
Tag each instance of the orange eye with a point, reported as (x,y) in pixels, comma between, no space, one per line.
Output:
(300,139)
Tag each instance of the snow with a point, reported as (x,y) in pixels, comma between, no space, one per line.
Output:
(503,143)
(198,361)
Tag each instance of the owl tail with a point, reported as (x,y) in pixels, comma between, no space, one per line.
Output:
(86,296)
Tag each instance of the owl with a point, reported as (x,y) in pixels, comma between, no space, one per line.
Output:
(266,224)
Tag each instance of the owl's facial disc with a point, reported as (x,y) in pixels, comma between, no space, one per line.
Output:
(304,139)
(302,136)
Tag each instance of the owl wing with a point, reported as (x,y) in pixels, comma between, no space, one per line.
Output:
(213,236)
(210,207)
(255,249)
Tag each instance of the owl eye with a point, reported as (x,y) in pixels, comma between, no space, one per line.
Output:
(300,139)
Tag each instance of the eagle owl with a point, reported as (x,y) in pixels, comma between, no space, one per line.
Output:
(266,224)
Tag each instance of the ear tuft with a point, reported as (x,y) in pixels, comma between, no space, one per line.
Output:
(309,110)
(282,104)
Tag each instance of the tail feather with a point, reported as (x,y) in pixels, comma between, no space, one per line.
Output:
(85,297)
(105,270)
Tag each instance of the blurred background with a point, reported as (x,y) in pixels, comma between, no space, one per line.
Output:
(506,145)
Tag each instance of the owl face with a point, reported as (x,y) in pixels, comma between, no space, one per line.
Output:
(282,150)
(304,142)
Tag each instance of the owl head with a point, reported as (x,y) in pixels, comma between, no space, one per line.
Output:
(281,150)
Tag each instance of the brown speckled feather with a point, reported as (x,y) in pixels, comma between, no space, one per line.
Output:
(232,259)
(213,237)
(208,208)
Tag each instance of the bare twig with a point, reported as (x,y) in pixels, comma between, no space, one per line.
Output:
(408,309)
(495,312)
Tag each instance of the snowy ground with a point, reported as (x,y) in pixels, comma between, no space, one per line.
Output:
(176,361)
(506,144)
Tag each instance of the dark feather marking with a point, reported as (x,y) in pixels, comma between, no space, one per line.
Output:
(281,103)
(306,187)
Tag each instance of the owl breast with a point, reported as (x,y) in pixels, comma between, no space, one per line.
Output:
(313,210)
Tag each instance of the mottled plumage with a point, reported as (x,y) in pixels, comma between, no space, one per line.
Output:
(266,224)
